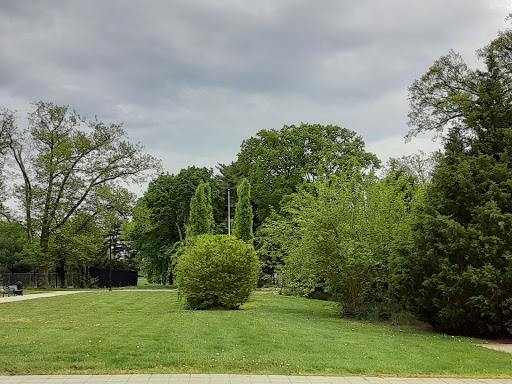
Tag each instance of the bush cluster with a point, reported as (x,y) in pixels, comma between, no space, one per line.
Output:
(217,271)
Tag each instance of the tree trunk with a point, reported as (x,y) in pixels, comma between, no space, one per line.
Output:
(42,277)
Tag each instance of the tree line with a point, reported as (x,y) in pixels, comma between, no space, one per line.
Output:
(67,174)
(430,235)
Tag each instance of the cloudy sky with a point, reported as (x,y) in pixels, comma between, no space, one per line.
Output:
(192,79)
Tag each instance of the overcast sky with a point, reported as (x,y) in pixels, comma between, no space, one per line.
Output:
(192,79)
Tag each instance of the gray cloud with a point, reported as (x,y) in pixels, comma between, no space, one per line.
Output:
(192,79)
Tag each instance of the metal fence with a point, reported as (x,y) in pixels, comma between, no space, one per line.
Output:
(99,277)
(29,280)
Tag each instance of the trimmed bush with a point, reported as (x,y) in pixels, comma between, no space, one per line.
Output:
(217,271)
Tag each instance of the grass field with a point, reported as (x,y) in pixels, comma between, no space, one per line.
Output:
(127,332)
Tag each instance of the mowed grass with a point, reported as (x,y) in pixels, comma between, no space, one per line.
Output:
(123,332)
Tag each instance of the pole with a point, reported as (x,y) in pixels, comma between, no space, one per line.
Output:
(110,264)
(109,207)
(229,213)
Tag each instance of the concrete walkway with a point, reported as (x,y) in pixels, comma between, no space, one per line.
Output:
(10,299)
(233,379)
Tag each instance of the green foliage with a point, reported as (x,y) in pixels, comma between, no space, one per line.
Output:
(201,212)
(347,240)
(160,219)
(242,225)
(276,162)
(279,232)
(368,312)
(342,237)
(168,200)
(217,272)
(12,241)
(412,169)
(79,242)
(146,240)
(85,280)
(404,318)
(227,177)
(271,240)
(65,161)
(458,274)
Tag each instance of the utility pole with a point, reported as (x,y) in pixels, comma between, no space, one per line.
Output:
(229,213)
(110,263)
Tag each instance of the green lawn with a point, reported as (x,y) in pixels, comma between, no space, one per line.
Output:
(118,332)
(32,291)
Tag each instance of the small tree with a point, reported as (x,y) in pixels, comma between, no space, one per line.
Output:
(201,212)
(344,239)
(242,224)
(217,272)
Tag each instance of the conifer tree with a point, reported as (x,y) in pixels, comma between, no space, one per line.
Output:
(201,211)
(459,268)
(243,222)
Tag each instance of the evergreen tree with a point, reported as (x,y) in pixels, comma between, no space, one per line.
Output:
(243,222)
(458,276)
(201,212)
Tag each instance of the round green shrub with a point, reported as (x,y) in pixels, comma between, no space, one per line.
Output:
(217,271)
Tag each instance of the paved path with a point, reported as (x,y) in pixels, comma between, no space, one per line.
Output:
(233,379)
(10,299)
(503,345)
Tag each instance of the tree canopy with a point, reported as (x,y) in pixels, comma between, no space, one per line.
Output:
(65,161)
(12,241)
(168,199)
(276,162)
(161,218)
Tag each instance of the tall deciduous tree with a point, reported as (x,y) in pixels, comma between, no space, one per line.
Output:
(243,222)
(459,273)
(64,159)
(276,162)
(416,168)
(161,217)
(201,212)
(145,238)
(168,199)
